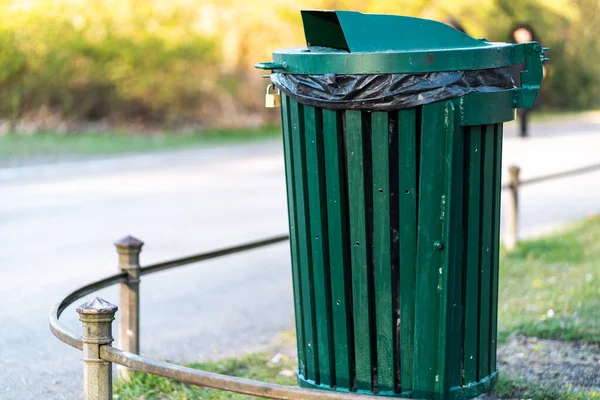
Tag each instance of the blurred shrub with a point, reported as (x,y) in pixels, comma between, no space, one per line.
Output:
(191,60)
(95,59)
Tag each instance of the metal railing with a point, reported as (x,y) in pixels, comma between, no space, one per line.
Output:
(97,316)
(511,233)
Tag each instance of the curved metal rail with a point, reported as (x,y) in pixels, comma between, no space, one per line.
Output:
(558,175)
(213,254)
(61,331)
(72,339)
(184,374)
(219,381)
(573,172)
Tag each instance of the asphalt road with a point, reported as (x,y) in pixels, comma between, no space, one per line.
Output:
(58,222)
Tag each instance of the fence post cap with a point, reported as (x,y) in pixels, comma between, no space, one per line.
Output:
(97,306)
(129,242)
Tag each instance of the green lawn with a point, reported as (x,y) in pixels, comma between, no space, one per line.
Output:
(255,366)
(53,145)
(549,288)
(517,388)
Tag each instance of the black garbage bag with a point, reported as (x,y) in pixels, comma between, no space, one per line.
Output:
(388,92)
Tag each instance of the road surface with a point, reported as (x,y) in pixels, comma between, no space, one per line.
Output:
(58,222)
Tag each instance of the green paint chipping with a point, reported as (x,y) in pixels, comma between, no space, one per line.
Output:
(397,212)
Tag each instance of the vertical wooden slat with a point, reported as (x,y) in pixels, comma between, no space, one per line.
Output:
(318,237)
(487,183)
(472,222)
(452,337)
(338,247)
(447,249)
(303,224)
(289,176)
(407,176)
(358,239)
(382,253)
(429,285)
(496,242)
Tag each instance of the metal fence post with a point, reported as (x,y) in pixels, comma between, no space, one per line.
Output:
(129,249)
(512,209)
(96,316)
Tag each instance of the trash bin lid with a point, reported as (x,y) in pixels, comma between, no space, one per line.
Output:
(349,42)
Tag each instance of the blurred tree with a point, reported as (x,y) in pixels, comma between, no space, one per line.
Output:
(191,60)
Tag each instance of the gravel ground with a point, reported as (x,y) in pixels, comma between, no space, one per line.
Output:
(564,364)
(573,364)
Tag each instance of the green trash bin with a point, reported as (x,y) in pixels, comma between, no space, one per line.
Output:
(393,140)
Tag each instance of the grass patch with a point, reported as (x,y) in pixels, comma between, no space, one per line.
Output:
(559,273)
(255,366)
(516,388)
(50,144)
(550,287)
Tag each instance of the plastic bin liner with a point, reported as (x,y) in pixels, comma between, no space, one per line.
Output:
(388,92)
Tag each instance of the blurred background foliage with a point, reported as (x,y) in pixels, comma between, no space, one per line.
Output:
(184,62)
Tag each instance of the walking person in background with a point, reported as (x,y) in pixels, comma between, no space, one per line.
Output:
(523,33)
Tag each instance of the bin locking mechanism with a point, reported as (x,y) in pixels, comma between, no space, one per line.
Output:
(272,100)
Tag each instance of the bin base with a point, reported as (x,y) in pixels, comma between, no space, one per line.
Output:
(456,393)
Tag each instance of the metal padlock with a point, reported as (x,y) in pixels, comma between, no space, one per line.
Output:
(272,100)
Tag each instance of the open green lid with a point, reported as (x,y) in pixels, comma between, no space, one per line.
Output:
(348,42)
(362,33)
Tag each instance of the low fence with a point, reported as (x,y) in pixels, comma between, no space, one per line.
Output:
(97,316)
(511,233)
